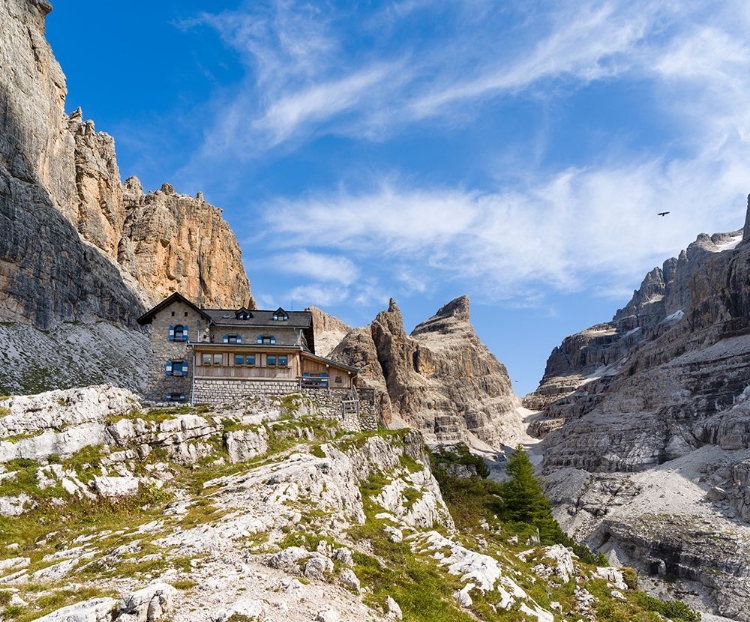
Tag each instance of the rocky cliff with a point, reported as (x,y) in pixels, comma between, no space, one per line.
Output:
(76,244)
(329,331)
(652,417)
(441,378)
(261,510)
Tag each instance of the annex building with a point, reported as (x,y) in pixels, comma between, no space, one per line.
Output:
(207,356)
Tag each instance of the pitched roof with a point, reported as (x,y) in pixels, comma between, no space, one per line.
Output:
(176,297)
(228,317)
(330,362)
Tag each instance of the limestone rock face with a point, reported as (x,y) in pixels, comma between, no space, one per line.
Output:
(47,272)
(651,411)
(97,213)
(329,331)
(174,242)
(35,146)
(441,378)
(65,217)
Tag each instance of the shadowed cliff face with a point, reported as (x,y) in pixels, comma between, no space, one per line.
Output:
(441,379)
(47,273)
(76,244)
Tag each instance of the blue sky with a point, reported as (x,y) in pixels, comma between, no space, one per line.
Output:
(422,150)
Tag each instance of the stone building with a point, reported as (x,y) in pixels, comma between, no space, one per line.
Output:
(212,355)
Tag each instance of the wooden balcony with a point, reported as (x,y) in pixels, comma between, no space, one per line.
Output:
(273,373)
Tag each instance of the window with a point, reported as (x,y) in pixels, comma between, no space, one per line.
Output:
(176,368)
(218,359)
(178,333)
(282,361)
(232,338)
(174,397)
(243,314)
(206,359)
(267,340)
(271,360)
(280,315)
(240,359)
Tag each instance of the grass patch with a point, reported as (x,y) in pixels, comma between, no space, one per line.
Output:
(183,584)
(201,512)
(50,526)
(84,462)
(51,601)
(25,479)
(423,592)
(317,451)
(459,455)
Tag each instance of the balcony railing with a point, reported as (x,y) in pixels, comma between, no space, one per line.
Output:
(281,373)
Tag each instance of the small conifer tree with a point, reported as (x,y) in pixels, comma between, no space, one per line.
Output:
(524,500)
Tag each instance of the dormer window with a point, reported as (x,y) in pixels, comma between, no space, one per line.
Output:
(280,315)
(232,338)
(243,314)
(267,340)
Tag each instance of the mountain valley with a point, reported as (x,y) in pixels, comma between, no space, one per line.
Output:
(270,508)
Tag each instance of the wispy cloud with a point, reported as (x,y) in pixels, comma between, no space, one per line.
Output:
(304,79)
(316,266)
(569,227)
(576,228)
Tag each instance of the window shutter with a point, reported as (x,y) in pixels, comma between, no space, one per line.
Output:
(226,338)
(260,339)
(171,333)
(168,368)
(239,338)
(184,333)
(273,340)
(185,368)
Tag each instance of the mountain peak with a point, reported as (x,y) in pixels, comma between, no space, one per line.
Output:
(458,308)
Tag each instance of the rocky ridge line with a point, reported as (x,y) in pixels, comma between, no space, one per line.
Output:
(257,510)
(652,412)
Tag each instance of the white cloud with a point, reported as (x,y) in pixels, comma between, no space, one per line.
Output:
(318,294)
(590,226)
(582,228)
(303,79)
(291,112)
(316,266)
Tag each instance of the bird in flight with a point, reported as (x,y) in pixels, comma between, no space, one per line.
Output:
(663,213)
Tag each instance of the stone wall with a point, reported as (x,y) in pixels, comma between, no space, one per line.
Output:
(328,401)
(210,391)
(163,350)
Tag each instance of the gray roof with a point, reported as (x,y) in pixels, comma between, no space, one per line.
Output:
(228,317)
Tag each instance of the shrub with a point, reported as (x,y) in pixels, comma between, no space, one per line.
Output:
(460,455)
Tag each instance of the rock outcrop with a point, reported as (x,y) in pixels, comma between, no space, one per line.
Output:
(651,411)
(150,522)
(76,245)
(173,242)
(329,331)
(441,379)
